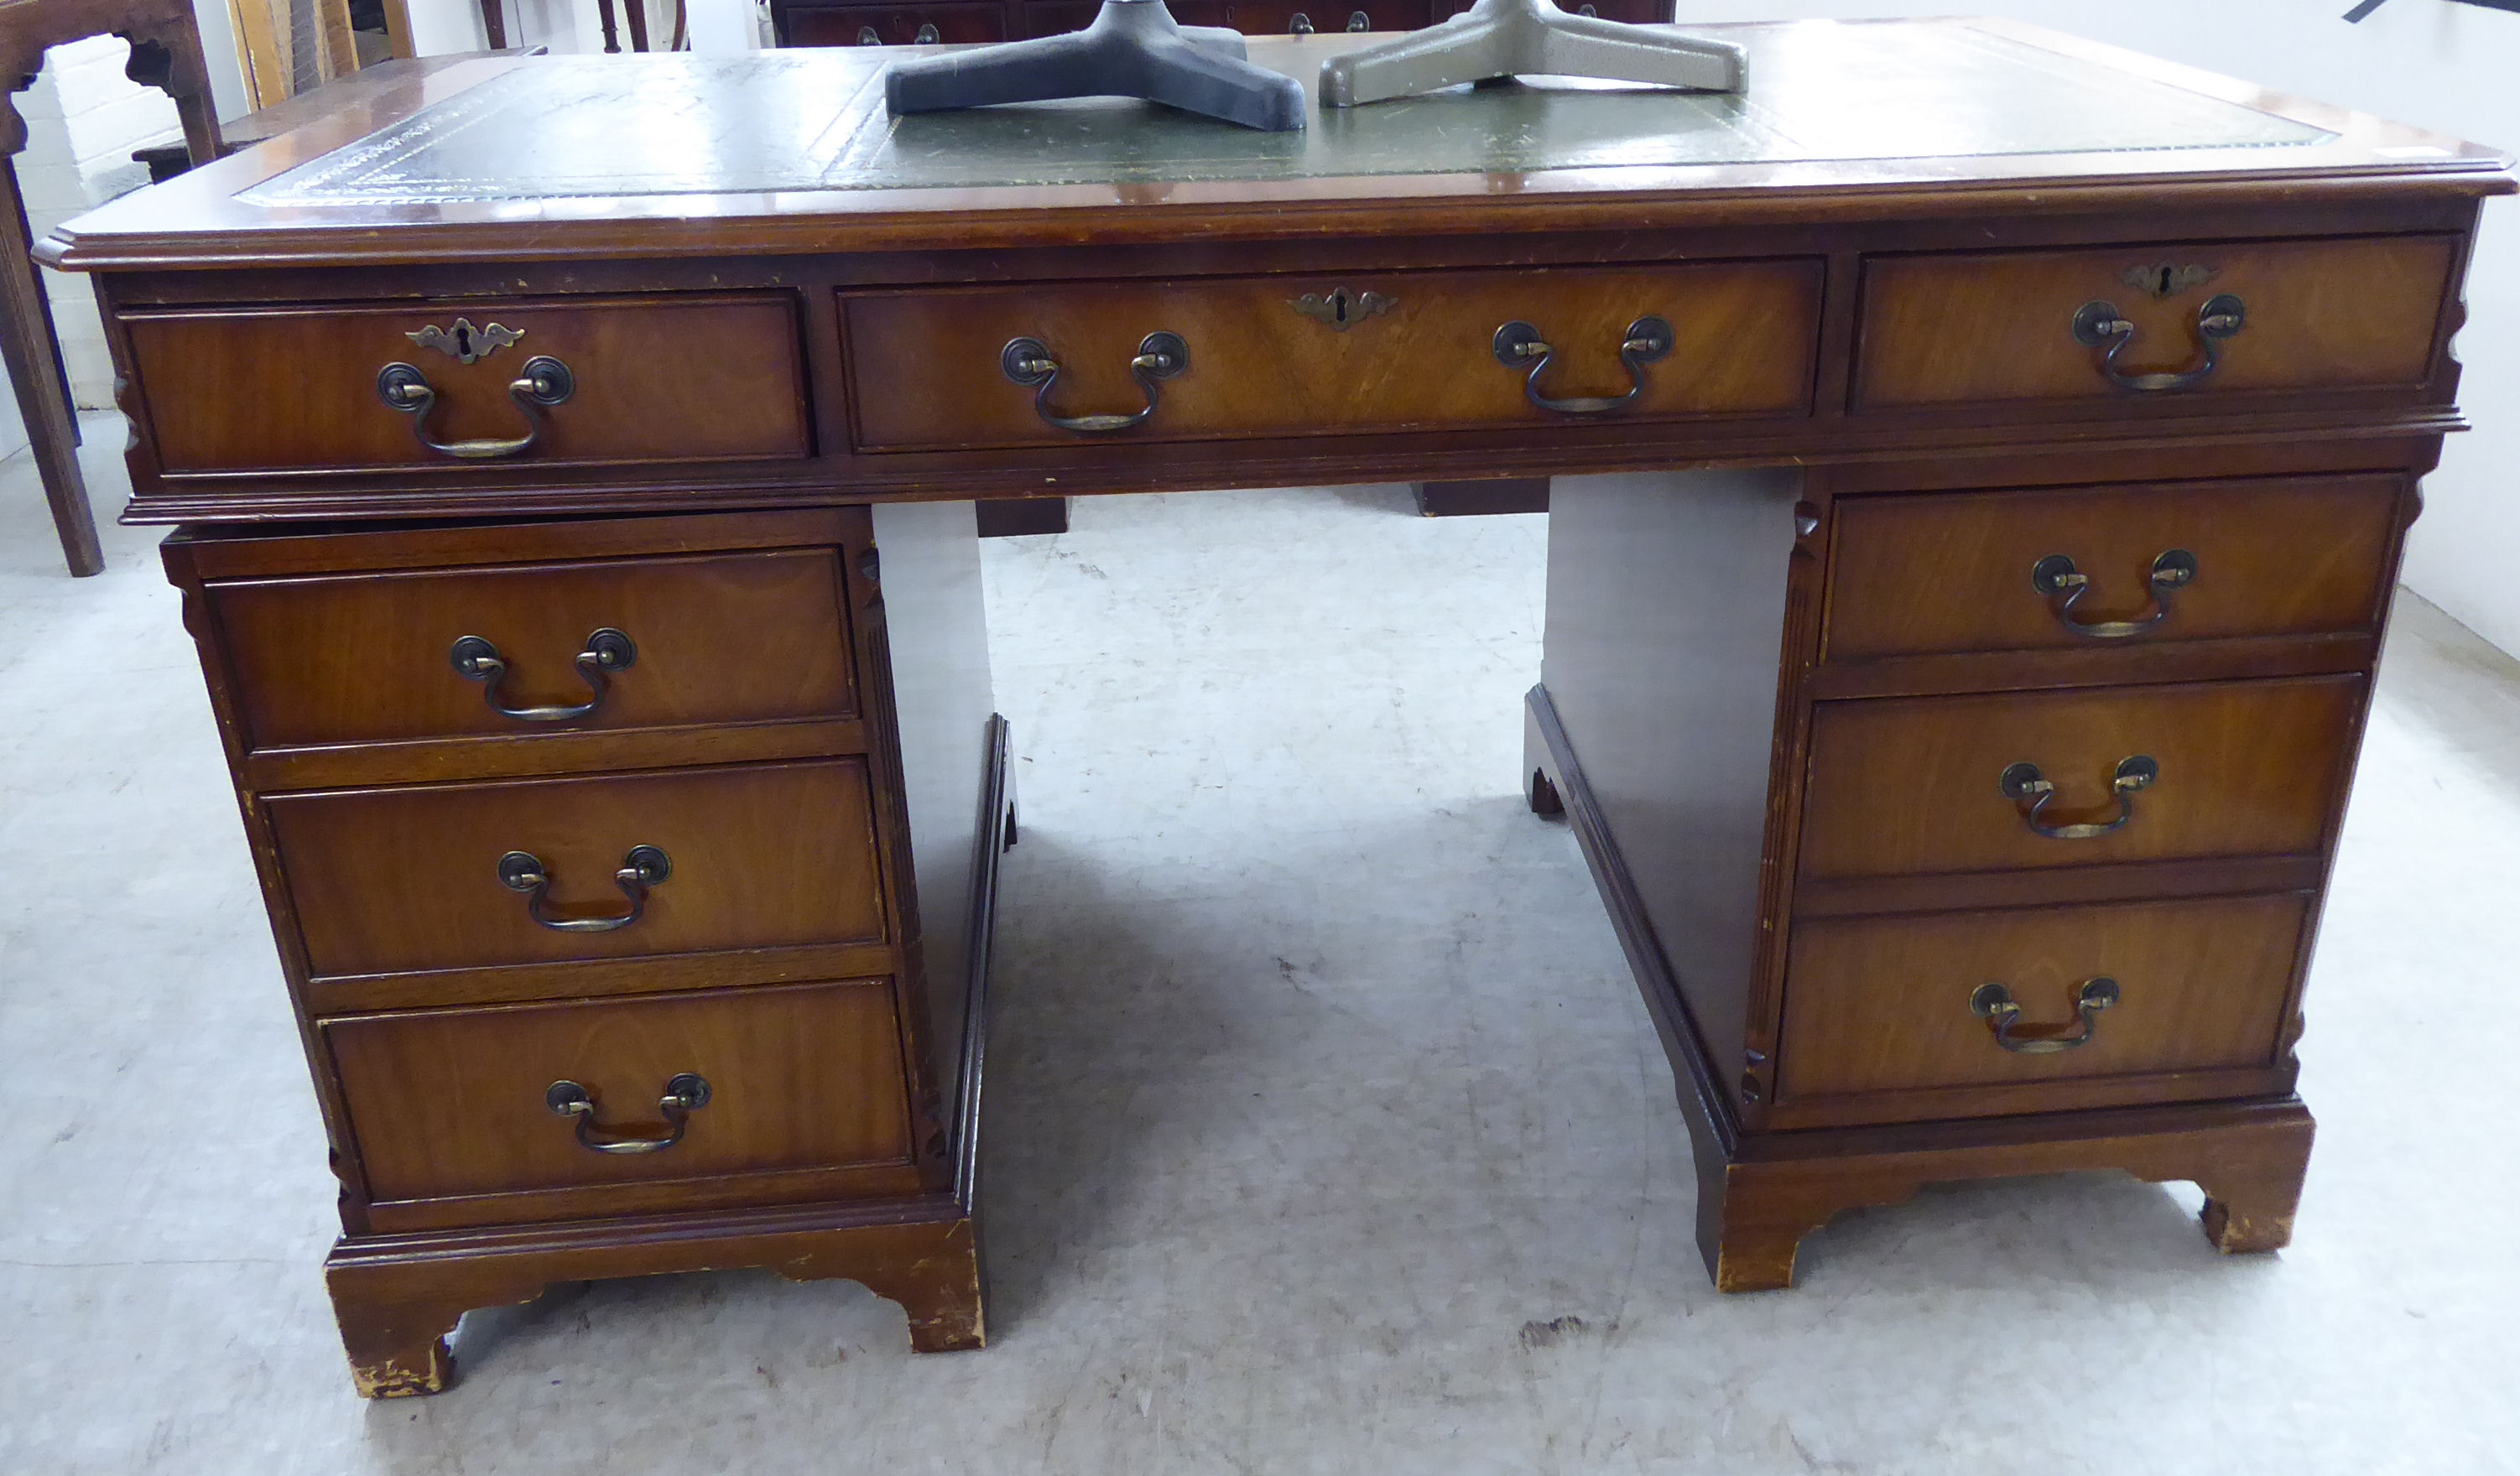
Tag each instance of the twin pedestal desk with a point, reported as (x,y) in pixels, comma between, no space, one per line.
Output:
(1982,465)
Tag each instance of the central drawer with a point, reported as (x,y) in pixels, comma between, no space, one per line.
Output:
(1922,785)
(456,1103)
(1295,355)
(427,876)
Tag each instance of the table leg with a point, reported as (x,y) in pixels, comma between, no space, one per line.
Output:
(43,394)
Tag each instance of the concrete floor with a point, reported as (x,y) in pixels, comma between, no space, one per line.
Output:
(1326,1133)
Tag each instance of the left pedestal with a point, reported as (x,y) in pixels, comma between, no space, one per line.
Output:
(598,853)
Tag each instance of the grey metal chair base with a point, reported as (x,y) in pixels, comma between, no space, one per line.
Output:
(1133,48)
(1504,38)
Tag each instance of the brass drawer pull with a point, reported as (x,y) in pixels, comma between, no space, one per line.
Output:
(2097,326)
(1995,1005)
(544,381)
(1027,362)
(1518,344)
(644,868)
(2023,781)
(607,651)
(684,1095)
(2057,576)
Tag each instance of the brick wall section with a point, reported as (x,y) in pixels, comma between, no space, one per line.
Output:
(83,119)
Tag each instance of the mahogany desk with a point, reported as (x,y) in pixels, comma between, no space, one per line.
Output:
(1981,463)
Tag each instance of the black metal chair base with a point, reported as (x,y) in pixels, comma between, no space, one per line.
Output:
(1133,48)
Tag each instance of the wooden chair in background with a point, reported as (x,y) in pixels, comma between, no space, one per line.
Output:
(165,53)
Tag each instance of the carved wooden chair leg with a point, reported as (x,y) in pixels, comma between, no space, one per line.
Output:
(43,398)
(165,53)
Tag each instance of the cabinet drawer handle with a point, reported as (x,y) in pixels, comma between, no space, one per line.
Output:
(684,1095)
(1027,362)
(607,651)
(2097,326)
(1995,1005)
(644,868)
(543,383)
(2023,781)
(1518,344)
(2056,575)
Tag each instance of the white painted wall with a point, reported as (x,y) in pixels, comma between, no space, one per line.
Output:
(2435,63)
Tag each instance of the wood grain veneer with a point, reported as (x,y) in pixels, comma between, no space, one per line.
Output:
(1881,1005)
(1744,336)
(363,657)
(386,880)
(1906,787)
(449,1103)
(296,386)
(2279,557)
(1970,329)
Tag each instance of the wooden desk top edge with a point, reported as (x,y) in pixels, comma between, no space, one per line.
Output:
(197,221)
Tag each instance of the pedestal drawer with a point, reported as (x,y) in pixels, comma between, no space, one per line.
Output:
(304,389)
(1301,355)
(1936,784)
(2052,997)
(2092,566)
(532,1100)
(385,656)
(2341,314)
(441,876)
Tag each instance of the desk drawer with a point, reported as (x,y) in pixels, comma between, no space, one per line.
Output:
(703,378)
(2344,314)
(456,1103)
(1995,570)
(389,656)
(933,370)
(1917,786)
(416,878)
(1885,1005)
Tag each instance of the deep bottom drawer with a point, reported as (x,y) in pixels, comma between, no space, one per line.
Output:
(1877,1005)
(458,1104)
